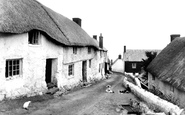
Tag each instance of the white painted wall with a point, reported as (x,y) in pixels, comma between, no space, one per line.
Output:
(77,59)
(32,80)
(118,66)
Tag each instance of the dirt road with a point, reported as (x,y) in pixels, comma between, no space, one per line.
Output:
(93,100)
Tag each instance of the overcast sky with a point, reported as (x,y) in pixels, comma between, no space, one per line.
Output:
(138,24)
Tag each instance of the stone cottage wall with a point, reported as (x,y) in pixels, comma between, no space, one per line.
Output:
(77,59)
(32,79)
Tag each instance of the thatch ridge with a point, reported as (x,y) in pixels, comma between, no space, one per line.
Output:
(20,16)
(169,65)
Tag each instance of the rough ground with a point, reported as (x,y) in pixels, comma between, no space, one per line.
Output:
(93,100)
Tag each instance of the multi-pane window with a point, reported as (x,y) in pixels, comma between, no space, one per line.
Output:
(71,69)
(34,37)
(74,50)
(90,63)
(89,50)
(133,65)
(13,67)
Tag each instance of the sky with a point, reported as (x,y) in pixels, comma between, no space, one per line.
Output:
(137,24)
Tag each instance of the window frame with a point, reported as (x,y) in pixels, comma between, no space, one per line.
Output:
(134,65)
(71,70)
(16,68)
(89,50)
(75,50)
(34,37)
(101,55)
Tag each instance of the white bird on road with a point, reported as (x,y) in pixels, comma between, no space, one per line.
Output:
(26,104)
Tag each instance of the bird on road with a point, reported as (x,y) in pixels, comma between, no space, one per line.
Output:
(26,104)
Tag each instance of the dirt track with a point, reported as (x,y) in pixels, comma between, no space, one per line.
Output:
(91,100)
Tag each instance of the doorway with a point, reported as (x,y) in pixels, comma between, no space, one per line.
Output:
(51,69)
(84,71)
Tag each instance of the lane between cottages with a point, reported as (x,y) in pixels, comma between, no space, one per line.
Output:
(92,100)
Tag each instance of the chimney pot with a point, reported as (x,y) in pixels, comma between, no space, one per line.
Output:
(173,36)
(78,21)
(95,37)
(119,56)
(125,49)
(101,41)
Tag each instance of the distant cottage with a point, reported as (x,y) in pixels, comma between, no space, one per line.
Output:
(39,46)
(167,71)
(132,59)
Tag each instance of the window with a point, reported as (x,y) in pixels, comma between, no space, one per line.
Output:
(74,50)
(101,53)
(33,37)
(71,69)
(133,65)
(90,63)
(89,50)
(13,67)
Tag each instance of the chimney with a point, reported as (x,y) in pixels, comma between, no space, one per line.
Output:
(101,41)
(95,37)
(119,56)
(125,49)
(173,36)
(78,21)
(111,61)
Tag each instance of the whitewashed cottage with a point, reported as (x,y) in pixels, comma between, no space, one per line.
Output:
(39,46)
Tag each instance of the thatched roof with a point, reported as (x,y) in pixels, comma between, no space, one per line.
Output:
(169,65)
(19,16)
(137,54)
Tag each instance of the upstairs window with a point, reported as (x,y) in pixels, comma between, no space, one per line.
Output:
(101,55)
(71,69)
(133,65)
(34,37)
(74,50)
(13,67)
(89,50)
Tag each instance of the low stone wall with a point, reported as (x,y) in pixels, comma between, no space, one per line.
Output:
(150,98)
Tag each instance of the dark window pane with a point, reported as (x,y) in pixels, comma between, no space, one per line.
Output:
(10,62)
(18,72)
(14,67)
(6,72)
(14,72)
(10,73)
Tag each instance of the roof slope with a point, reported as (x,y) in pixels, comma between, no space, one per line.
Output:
(136,54)
(169,65)
(19,16)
